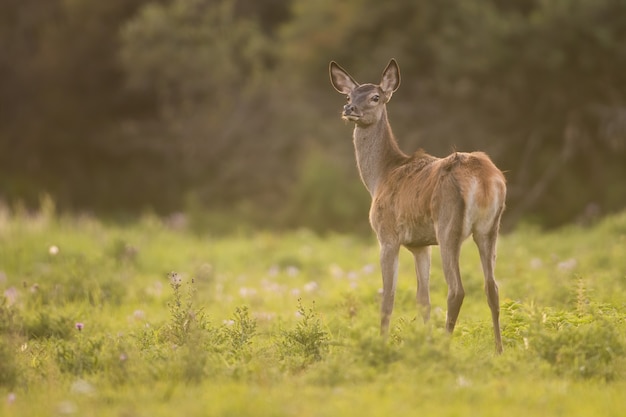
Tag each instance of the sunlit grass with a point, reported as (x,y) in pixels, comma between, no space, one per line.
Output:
(286,324)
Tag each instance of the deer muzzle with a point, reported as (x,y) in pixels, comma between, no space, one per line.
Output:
(350,112)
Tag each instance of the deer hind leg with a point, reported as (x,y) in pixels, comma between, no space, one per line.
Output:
(422,269)
(389,267)
(486,243)
(449,235)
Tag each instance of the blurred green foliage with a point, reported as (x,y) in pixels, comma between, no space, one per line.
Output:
(126,105)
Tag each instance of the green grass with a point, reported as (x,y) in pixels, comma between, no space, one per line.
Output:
(270,324)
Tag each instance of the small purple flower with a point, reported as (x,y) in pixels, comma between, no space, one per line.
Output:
(79,326)
(11,294)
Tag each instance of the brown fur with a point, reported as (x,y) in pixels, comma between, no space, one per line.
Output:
(421,200)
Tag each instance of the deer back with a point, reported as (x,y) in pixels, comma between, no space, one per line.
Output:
(413,197)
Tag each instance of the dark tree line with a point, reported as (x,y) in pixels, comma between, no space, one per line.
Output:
(224,106)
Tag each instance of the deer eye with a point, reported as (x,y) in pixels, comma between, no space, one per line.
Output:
(348,99)
(375,98)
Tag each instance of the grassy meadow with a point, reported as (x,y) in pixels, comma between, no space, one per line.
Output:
(149,319)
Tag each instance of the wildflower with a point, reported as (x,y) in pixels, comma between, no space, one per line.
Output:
(80,386)
(155,289)
(265,316)
(247,292)
(536,263)
(11,398)
(567,265)
(53,250)
(292,271)
(66,407)
(311,286)
(177,221)
(11,294)
(272,287)
(463,382)
(352,275)
(139,315)
(336,271)
(79,326)
(369,269)
(273,271)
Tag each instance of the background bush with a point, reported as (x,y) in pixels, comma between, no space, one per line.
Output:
(134,105)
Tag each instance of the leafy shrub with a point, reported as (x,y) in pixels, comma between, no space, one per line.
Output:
(517,321)
(307,342)
(377,352)
(230,347)
(584,350)
(239,331)
(583,341)
(187,343)
(419,343)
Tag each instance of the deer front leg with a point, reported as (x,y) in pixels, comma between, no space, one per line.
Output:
(389,268)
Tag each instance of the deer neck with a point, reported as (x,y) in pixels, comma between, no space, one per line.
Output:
(377,152)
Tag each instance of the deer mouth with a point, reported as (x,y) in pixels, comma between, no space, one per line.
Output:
(351,117)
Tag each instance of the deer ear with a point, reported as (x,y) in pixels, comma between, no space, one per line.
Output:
(391,79)
(341,80)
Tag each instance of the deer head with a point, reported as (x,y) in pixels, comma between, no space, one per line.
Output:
(366,102)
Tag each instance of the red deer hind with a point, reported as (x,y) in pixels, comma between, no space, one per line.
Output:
(419,200)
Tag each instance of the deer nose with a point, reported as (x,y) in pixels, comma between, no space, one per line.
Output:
(348,109)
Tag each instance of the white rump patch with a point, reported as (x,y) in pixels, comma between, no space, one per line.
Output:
(480,219)
(472,211)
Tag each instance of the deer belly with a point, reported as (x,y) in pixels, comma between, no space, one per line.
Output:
(402,227)
(418,234)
